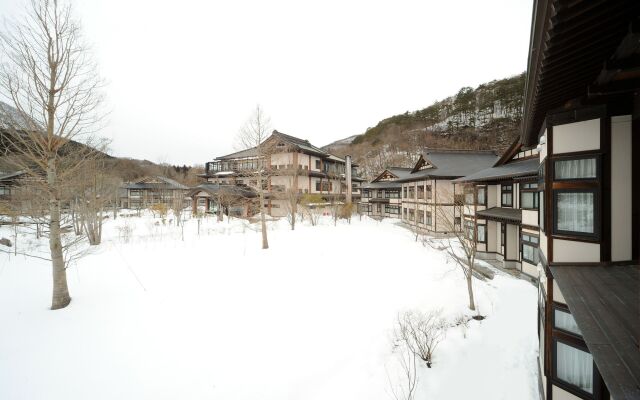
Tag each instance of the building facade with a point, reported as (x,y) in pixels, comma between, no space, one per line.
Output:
(430,202)
(501,210)
(290,167)
(152,190)
(582,110)
(382,196)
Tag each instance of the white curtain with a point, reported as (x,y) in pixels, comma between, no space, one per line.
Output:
(575,212)
(576,169)
(565,321)
(574,366)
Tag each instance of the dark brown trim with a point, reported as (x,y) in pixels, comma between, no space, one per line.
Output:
(635,178)
(605,189)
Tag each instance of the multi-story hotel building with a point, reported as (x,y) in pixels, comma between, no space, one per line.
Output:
(290,164)
(382,196)
(501,207)
(429,195)
(582,110)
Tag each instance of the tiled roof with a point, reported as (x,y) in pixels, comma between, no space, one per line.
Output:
(505,171)
(453,163)
(502,213)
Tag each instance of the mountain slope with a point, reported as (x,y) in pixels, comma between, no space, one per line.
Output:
(487,117)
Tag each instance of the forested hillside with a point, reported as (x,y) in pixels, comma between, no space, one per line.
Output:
(487,117)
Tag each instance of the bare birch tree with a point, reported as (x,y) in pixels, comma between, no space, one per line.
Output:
(421,333)
(50,79)
(253,135)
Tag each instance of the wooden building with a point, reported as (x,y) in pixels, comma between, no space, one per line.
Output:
(582,110)
(428,193)
(501,206)
(151,190)
(382,196)
(288,164)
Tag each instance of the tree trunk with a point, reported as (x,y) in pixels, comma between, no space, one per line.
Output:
(472,304)
(60,298)
(263,221)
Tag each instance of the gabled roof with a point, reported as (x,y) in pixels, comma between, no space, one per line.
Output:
(450,163)
(301,144)
(147,183)
(513,169)
(397,172)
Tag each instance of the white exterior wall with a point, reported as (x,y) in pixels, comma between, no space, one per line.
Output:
(492,196)
(530,217)
(621,188)
(573,251)
(491,236)
(565,136)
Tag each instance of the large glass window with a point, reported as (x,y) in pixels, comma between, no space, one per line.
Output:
(575,212)
(429,220)
(429,195)
(581,168)
(529,195)
(420,216)
(574,366)
(420,191)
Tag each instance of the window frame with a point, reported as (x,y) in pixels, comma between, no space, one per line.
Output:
(428,219)
(503,192)
(573,157)
(595,236)
(534,193)
(484,226)
(562,308)
(571,388)
(527,242)
(477,194)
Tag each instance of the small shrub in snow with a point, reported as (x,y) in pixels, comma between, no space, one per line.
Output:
(124,232)
(421,333)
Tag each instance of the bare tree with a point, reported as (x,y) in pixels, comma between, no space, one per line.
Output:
(462,238)
(253,135)
(308,204)
(421,333)
(51,81)
(95,189)
(403,387)
(291,199)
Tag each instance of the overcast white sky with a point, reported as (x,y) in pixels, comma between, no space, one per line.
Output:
(183,76)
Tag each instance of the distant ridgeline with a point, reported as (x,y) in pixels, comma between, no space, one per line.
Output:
(496,101)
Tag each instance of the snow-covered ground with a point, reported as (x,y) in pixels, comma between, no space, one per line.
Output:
(216,317)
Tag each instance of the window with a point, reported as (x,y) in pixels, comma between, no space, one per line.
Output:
(529,196)
(318,164)
(456,222)
(412,214)
(576,168)
(468,195)
(507,195)
(469,229)
(482,233)
(575,212)
(429,194)
(379,194)
(365,194)
(404,213)
(573,366)
(391,194)
(530,248)
(482,195)
(412,192)
(404,192)
(393,209)
(563,320)
(420,214)
(429,219)
(421,191)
